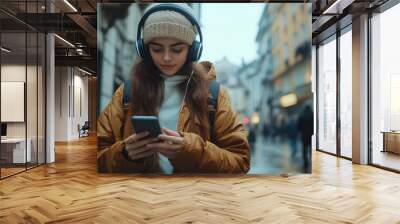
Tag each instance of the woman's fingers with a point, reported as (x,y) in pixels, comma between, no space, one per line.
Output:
(135,137)
(134,155)
(141,143)
(138,150)
(174,139)
(164,146)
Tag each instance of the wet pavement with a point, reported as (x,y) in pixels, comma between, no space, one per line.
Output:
(274,156)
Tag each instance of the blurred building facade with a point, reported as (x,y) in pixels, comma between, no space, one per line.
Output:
(251,78)
(265,65)
(225,69)
(285,59)
(243,85)
(227,76)
(238,92)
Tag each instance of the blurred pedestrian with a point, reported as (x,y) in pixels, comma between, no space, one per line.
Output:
(273,129)
(305,125)
(292,133)
(265,130)
(252,137)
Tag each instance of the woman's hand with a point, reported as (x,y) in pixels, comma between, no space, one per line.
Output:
(171,143)
(136,145)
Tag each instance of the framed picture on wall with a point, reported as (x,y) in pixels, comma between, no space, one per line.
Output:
(12,101)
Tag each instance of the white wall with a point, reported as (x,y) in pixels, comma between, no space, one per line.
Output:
(80,100)
(61,103)
(71,94)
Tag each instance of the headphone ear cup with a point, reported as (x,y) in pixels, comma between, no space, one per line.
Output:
(195,51)
(141,48)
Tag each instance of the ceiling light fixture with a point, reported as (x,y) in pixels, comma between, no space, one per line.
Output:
(79,51)
(65,41)
(337,7)
(5,50)
(84,71)
(70,5)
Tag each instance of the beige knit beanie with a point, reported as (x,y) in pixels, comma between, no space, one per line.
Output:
(168,23)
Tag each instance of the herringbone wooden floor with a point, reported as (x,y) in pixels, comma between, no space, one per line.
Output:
(71,191)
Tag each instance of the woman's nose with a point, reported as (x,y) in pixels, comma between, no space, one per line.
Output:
(167,56)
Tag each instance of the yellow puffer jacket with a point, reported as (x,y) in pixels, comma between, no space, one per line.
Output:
(230,154)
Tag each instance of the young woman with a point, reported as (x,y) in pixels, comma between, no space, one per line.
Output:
(169,84)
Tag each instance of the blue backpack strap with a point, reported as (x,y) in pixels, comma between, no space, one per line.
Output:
(126,100)
(212,107)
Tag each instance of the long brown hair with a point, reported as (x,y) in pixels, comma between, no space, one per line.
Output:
(148,92)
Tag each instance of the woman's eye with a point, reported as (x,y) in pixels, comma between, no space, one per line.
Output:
(177,50)
(156,49)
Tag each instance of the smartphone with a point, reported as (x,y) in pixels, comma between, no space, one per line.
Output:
(146,123)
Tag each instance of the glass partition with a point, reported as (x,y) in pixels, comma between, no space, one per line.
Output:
(385,89)
(346,94)
(22,91)
(327,96)
(13,108)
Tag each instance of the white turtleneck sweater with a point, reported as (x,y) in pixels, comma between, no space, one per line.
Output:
(169,111)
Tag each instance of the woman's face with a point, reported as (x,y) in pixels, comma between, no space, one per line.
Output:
(168,54)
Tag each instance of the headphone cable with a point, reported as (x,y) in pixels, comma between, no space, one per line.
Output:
(184,95)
